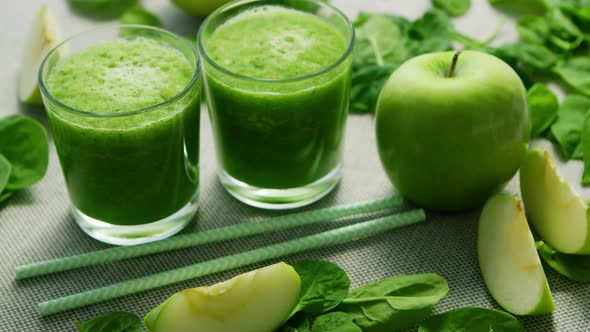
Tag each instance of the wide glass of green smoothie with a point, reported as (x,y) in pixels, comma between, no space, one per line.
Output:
(124,109)
(277,81)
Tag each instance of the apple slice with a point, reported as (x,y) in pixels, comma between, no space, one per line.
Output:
(558,214)
(508,259)
(44,34)
(257,301)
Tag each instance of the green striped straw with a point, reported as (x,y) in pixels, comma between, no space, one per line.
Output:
(332,237)
(200,238)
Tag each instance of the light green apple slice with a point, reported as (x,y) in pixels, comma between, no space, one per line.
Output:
(44,34)
(558,214)
(508,259)
(257,301)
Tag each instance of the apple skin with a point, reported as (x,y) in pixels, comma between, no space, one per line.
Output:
(449,143)
(199,7)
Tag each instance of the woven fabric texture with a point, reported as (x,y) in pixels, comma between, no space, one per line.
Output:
(35,224)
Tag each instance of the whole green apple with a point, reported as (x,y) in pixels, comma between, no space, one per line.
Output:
(199,7)
(452,128)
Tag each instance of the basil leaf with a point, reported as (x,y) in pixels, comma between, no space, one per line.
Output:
(576,72)
(574,267)
(473,320)
(139,15)
(395,303)
(335,322)
(102,9)
(111,322)
(543,106)
(297,323)
(323,286)
(567,130)
(23,142)
(5,169)
(453,7)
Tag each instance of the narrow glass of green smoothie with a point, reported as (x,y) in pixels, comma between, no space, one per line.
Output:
(277,82)
(124,110)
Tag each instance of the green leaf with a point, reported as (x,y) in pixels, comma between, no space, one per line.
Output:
(473,320)
(323,286)
(335,322)
(111,322)
(453,7)
(23,142)
(297,323)
(586,150)
(395,303)
(576,72)
(543,106)
(367,83)
(102,9)
(567,130)
(139,15)
(522,6)
(5,169)
(565,35)
(537,57)
(430,33)
(574,267)
(5,195)
(533,29)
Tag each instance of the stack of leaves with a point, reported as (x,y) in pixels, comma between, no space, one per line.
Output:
(555,44)
(24,154)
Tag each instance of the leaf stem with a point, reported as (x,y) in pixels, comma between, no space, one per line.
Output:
(451,72)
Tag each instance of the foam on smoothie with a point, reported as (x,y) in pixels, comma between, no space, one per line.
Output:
(274,42)
(119,76)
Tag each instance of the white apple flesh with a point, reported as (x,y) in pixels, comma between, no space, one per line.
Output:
(558,214)
(257,301)
(508,259)
(44,35)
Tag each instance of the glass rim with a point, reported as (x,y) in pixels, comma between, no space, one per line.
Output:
(339,61)
(194,79)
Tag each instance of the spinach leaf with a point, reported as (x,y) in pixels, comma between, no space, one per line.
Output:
(323,286)
(565,35)
(533,29)
(522,6)
(23,142)
(430,33)
(367,83)
(297,323)
(453,7)
(139,15)
(395,303)
(473,320)
(5,168)
(5,195)
(335,322)
(543,106)
(576,72)
(101,9)
(574,267)
(111,322)
(586,150)
(567,130)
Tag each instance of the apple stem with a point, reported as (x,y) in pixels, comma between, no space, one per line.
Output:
(454,64)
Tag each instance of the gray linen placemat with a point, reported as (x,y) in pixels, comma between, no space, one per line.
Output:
(35,224)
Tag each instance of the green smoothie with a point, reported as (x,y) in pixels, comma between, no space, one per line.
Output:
(275,129)
(122,165)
